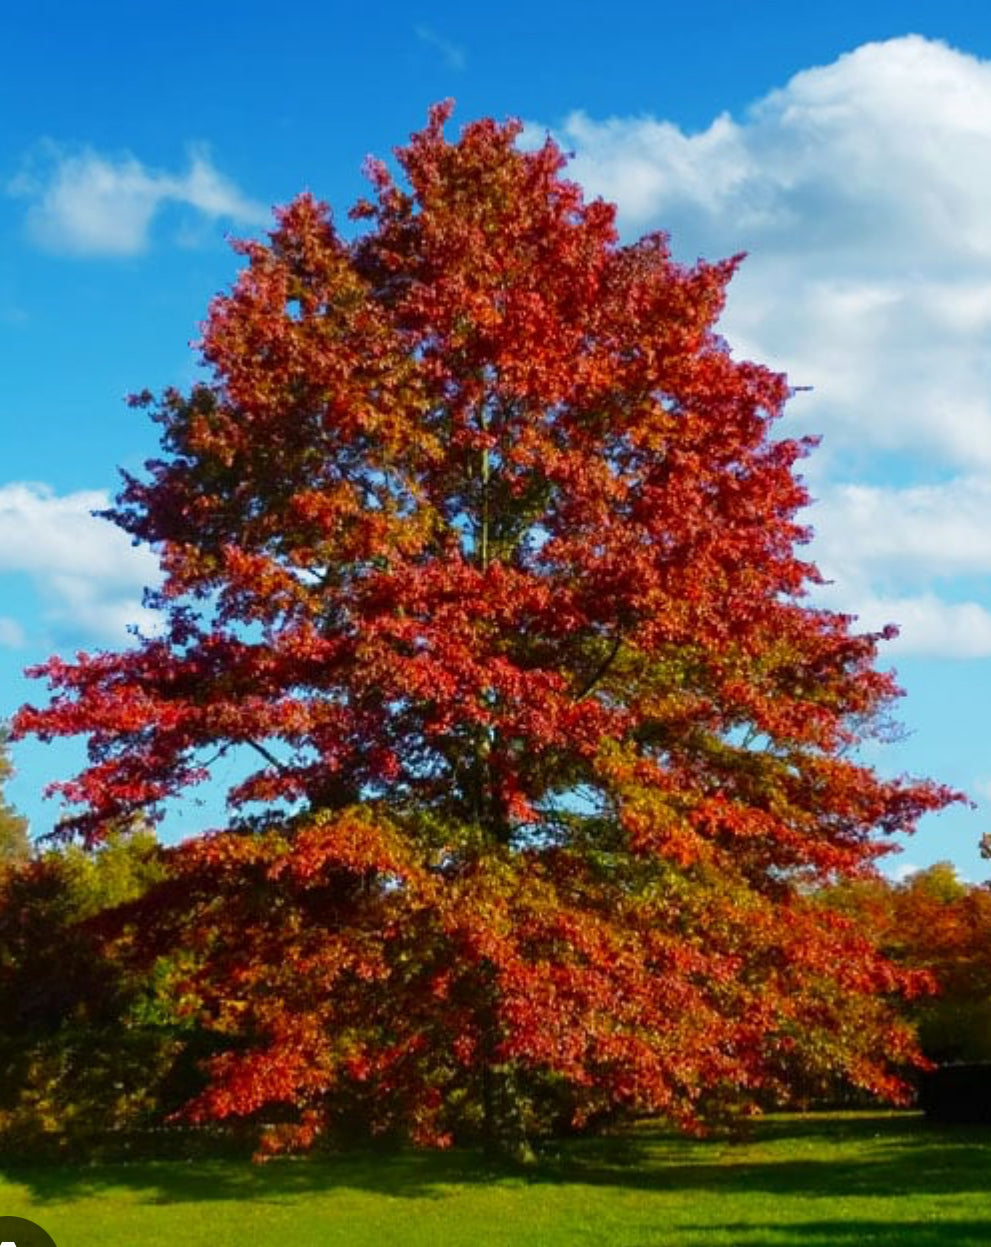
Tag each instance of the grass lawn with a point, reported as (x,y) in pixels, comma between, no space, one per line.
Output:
(833,1180)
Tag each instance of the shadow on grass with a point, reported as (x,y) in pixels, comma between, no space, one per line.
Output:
(822,1156)
(969,1233)
(829,1154)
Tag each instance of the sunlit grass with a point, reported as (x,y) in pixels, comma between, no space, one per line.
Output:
(818,1181)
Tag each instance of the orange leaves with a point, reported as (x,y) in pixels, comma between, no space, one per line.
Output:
(355,841)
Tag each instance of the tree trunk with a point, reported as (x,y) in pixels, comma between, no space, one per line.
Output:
(504,1131)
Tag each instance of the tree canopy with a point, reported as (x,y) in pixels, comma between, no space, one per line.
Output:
(479,539)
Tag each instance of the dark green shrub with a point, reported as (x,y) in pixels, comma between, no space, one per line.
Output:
(958,1093)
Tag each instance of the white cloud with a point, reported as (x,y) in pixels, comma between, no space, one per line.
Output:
(88,575)
(928,626)
(11,633)
(821,164)
(651,167)
(84,203)
(917,533)
(886,549)
(860,190)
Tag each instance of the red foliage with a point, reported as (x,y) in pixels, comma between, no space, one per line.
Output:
(480,539)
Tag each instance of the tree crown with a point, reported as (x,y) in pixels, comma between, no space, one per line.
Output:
(480,538)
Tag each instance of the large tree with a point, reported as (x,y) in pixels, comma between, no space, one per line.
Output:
(479,540)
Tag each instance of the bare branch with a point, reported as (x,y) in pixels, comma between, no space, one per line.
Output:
(269,757)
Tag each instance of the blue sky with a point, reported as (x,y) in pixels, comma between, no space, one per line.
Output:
(845,147)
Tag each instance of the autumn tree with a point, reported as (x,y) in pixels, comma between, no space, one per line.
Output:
(479,539)
(944,927)
(934,923)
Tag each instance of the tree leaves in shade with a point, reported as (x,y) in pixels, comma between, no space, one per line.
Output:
(15,843)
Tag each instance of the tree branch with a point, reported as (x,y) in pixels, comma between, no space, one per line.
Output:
(269,757)
(602,668)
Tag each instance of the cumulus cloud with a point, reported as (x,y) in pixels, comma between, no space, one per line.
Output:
(918,533)
(821,163)
(87,574)
(887,550)
(860,191)
(85,203)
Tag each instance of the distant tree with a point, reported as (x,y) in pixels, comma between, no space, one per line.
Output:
(480,541)
(86,1040)
(15,843)
(936,925)
(943,925)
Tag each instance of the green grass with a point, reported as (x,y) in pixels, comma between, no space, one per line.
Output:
(836,1180)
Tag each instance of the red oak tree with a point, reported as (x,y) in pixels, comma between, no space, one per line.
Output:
(479,540)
